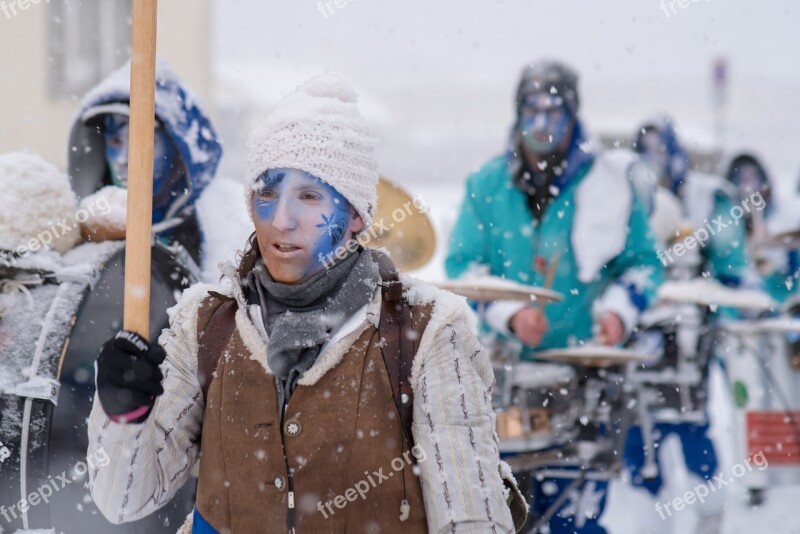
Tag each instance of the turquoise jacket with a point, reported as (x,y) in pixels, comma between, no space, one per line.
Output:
(725,254)
(783,283)
(495,228)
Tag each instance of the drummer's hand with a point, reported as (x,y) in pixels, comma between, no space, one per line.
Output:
(529,325)
(128,377)
(611,329)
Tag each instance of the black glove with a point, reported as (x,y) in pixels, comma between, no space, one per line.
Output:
(128,377)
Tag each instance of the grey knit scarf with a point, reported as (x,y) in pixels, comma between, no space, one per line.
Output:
(300,318)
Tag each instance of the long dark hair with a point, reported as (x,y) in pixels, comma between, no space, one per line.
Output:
(247,258)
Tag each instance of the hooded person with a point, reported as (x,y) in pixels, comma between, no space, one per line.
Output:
(57,297)
(708,201)
(287,380)
(777,267)
(552,203)
(186,154)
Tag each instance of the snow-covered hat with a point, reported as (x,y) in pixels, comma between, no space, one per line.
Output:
(319,129)
(551,78)
(36,198)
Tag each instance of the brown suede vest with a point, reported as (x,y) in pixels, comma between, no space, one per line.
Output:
(350,464)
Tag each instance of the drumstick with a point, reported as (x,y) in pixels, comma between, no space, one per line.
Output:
(548,280)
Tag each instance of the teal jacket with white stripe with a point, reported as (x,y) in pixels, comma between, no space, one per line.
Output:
(596,225)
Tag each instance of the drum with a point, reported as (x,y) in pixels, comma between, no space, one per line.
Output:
(543,408)
(56,314)
(588,412)
(674,384)
(764,385)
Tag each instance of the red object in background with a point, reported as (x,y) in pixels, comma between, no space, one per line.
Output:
(774,434)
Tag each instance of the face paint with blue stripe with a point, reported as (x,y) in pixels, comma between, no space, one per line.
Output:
(545,123)
(300,222)
(116,130)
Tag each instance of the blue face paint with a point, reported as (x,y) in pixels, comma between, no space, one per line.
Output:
(165,155)
(115,134)
(333,228)
(544,130)
(296,209)
(268,188)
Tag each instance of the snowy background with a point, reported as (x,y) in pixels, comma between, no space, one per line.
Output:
(437,80)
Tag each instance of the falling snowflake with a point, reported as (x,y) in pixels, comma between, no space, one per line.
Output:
(583,504)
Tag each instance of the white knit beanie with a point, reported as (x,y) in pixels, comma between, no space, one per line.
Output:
(319,129)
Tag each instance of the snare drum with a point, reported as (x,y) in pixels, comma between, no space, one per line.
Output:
(543,408)
(674,385)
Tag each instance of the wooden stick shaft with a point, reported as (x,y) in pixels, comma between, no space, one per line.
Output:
(140,168)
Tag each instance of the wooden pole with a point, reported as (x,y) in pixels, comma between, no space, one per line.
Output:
(140,172)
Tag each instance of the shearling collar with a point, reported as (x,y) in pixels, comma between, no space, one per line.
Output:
(250,327)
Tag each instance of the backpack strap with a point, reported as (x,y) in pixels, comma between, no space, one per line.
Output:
(215,326)
(399,345)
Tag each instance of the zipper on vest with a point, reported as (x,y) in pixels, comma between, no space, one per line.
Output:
(289,478)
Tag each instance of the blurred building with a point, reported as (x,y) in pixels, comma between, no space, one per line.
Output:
(53,51)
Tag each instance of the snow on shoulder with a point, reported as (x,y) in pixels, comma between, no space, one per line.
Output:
(105,214)
(37,207)
(447,307)
(183,316)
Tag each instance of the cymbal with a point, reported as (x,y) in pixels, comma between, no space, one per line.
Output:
(711,293)
(788,240)
(409,234)
(757,327)
(491,288)
(593,355)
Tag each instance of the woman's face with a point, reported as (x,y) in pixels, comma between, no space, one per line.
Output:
(300,223)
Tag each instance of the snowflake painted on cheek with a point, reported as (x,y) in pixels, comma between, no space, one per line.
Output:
(334,226)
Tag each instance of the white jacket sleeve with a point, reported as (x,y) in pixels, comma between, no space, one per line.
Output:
(149,462)
(455,426)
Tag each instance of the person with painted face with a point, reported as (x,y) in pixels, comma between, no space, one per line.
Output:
(323,396)
(778,267)
(704,197)
(552,195)
(186,155)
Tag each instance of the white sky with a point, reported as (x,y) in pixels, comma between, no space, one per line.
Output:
(438,76)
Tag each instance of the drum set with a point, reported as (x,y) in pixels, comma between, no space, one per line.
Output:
(566,416)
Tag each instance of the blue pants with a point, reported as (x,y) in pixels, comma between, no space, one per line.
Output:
(698,452)
(581,511)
